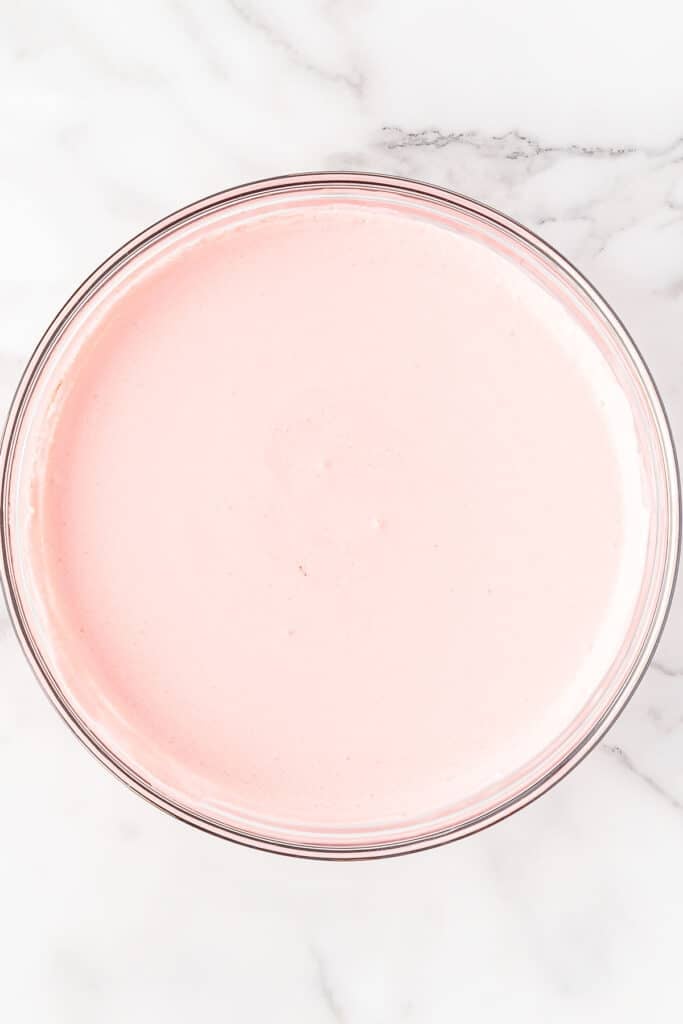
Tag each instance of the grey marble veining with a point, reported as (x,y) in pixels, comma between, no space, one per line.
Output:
(570,120)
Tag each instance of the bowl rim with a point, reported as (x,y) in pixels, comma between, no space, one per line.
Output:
(411,189)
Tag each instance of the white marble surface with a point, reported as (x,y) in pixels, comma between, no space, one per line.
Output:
(570,117)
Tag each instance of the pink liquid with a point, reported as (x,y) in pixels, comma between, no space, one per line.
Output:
(338,519)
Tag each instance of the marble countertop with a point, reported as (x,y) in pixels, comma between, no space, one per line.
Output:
(569,118)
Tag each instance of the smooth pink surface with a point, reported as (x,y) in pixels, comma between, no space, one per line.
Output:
(337,518)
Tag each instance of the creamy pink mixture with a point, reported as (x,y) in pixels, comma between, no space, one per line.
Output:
(337,518)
